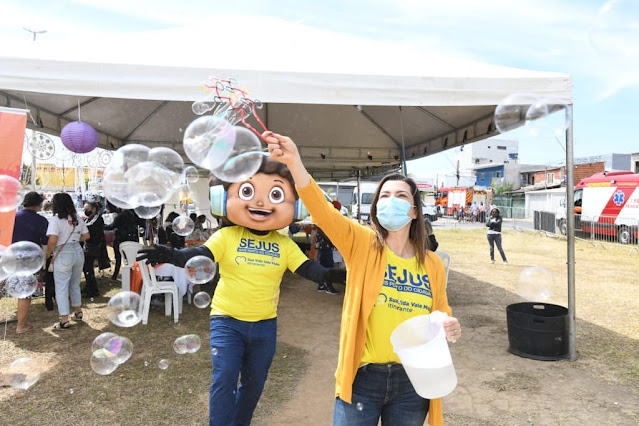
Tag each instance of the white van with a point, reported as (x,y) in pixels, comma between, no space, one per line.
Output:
(362,202)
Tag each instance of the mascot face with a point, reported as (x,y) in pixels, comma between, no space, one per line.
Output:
(263,202)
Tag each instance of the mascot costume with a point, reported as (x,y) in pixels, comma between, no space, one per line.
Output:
(252,258)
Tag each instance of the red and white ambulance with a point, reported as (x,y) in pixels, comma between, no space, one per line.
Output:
(606,204)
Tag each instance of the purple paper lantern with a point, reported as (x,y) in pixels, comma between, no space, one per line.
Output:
(79,137)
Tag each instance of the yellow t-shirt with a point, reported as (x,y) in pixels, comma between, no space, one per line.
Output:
(405,294)
(251,268)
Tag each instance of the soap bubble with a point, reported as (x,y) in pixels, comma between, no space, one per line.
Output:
(139,176)
(535,284)
(202,299)
(511,111)
(163,364)
(208,141)
(23,258)
(11,193)
(171,161)
(244,160)
(183,225)
(120,347)
(147,212)
(360,406)
(20,286)
(100,341)
(123,309)
(116,186)
(614,31)
(3,273)
(188,344)
(213,351)
(192,175)
(103,362)
(25,372)
(199,269)
(149,184)
(548,118)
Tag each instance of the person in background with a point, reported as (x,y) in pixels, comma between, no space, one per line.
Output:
(29,226)
(66,233)
(92,246)
(494,235)
(431,241)
(386,261)
(125,226)
(325,249)
(482,212)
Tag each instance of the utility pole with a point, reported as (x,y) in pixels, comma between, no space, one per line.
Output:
(34,32)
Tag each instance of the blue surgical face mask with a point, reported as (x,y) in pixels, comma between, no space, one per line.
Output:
(392,213)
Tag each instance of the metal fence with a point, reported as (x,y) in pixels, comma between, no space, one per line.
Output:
(599,231)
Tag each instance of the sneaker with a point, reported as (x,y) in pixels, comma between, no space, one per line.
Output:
(321,288)
(505,262)
(329,289)
(492,261)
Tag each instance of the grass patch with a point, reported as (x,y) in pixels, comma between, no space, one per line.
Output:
(607,290)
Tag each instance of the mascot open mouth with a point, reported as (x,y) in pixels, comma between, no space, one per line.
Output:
(259,213)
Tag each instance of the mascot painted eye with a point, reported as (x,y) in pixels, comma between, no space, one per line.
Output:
(276,196)
(247,191)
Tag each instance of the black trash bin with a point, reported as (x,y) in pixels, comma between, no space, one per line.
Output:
(538,330)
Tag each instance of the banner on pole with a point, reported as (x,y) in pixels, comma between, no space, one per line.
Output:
(13,123)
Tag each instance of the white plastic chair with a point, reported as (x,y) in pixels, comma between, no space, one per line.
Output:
(445,257)
(151,286)
(128,252)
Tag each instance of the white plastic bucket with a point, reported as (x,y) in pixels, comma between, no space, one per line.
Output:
(420,343)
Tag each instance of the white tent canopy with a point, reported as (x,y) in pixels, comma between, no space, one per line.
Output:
(338,97)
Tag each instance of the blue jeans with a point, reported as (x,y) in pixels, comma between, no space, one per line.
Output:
(67,273)
(382,390)
(239,349)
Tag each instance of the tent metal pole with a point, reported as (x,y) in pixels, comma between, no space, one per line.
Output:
(570,232)
(359,197)
(401,125)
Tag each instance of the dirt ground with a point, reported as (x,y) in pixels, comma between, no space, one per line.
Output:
(495,387)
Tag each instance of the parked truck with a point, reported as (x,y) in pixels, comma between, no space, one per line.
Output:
(606,204)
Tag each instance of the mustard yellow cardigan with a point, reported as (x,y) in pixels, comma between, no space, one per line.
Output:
(366,265)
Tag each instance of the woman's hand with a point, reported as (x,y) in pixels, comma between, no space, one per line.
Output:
(284,150)
(452,329)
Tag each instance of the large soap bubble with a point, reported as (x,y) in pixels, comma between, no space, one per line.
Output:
(24,373)
(103,362)
(147,212)
(511,111)
(199,269)
(11,193)
(120,347)
(548,118)
(202,299)
(614,32)
(535,284)
(124,308)
(100,341)
(21,286)
(208,141)
(244,160)
(188,344)
(23,258)
(183,225)
(139,176)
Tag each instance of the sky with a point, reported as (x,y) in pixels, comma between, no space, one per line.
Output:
(570,36)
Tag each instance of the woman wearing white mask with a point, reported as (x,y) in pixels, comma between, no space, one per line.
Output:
(391,277)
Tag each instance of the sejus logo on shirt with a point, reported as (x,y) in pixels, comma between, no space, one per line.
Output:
(249,245)
(404,280)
